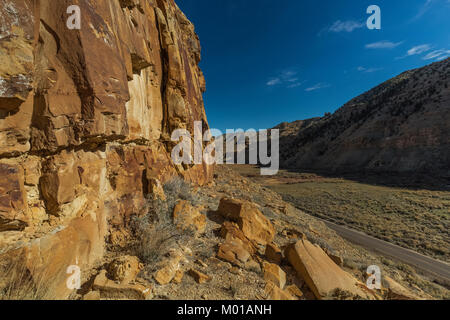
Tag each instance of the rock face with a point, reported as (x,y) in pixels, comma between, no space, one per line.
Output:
(85,122)
(400,126)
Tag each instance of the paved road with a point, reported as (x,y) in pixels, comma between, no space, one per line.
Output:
(429,265)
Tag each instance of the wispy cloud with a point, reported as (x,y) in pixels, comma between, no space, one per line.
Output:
(416,50)
(443,57)
(424,8)
(273,82)
(369,70)
(437,54)
(347,26)
(318,87)
(383,45)
(286,78)
(296,84)
(419,49)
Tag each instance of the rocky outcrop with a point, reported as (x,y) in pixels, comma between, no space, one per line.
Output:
(401,126)
(85,123)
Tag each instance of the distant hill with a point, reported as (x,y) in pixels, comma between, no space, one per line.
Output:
(402,125)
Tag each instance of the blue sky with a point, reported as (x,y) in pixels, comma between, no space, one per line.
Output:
(267,61)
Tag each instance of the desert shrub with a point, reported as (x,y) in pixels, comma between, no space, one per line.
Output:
(351,264)
(155,232)
(406,268)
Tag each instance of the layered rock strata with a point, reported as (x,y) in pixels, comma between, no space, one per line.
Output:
(85,123)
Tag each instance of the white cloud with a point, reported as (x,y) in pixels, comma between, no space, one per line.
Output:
(419,49)
(437,54)
(318,87)
(296,84)
(288,75)
(424,9)
(443,57)
(273,82)
(347,26)
(287,78)
(416,50)
(369,70)
(383,45)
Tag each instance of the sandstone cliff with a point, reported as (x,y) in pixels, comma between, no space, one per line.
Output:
(401,126)
(85,123)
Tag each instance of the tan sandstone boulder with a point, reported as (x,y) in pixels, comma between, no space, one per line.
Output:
(274,293)
(234,252)
(255,226)
(199,277)
(324,277)
(230,231)
(274,274)
(124,269)
(397,292)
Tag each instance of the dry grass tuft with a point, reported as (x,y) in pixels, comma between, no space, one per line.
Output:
(155,232)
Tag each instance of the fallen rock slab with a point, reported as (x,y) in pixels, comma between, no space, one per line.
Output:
(397,292)
(321,274)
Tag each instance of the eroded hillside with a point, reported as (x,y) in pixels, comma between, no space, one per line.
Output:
(401,126)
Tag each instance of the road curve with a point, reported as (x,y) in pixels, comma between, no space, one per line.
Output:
(428,265)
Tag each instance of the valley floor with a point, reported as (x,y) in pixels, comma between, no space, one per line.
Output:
(413,218)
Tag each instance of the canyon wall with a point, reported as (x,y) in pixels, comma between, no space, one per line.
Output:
(85,122)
